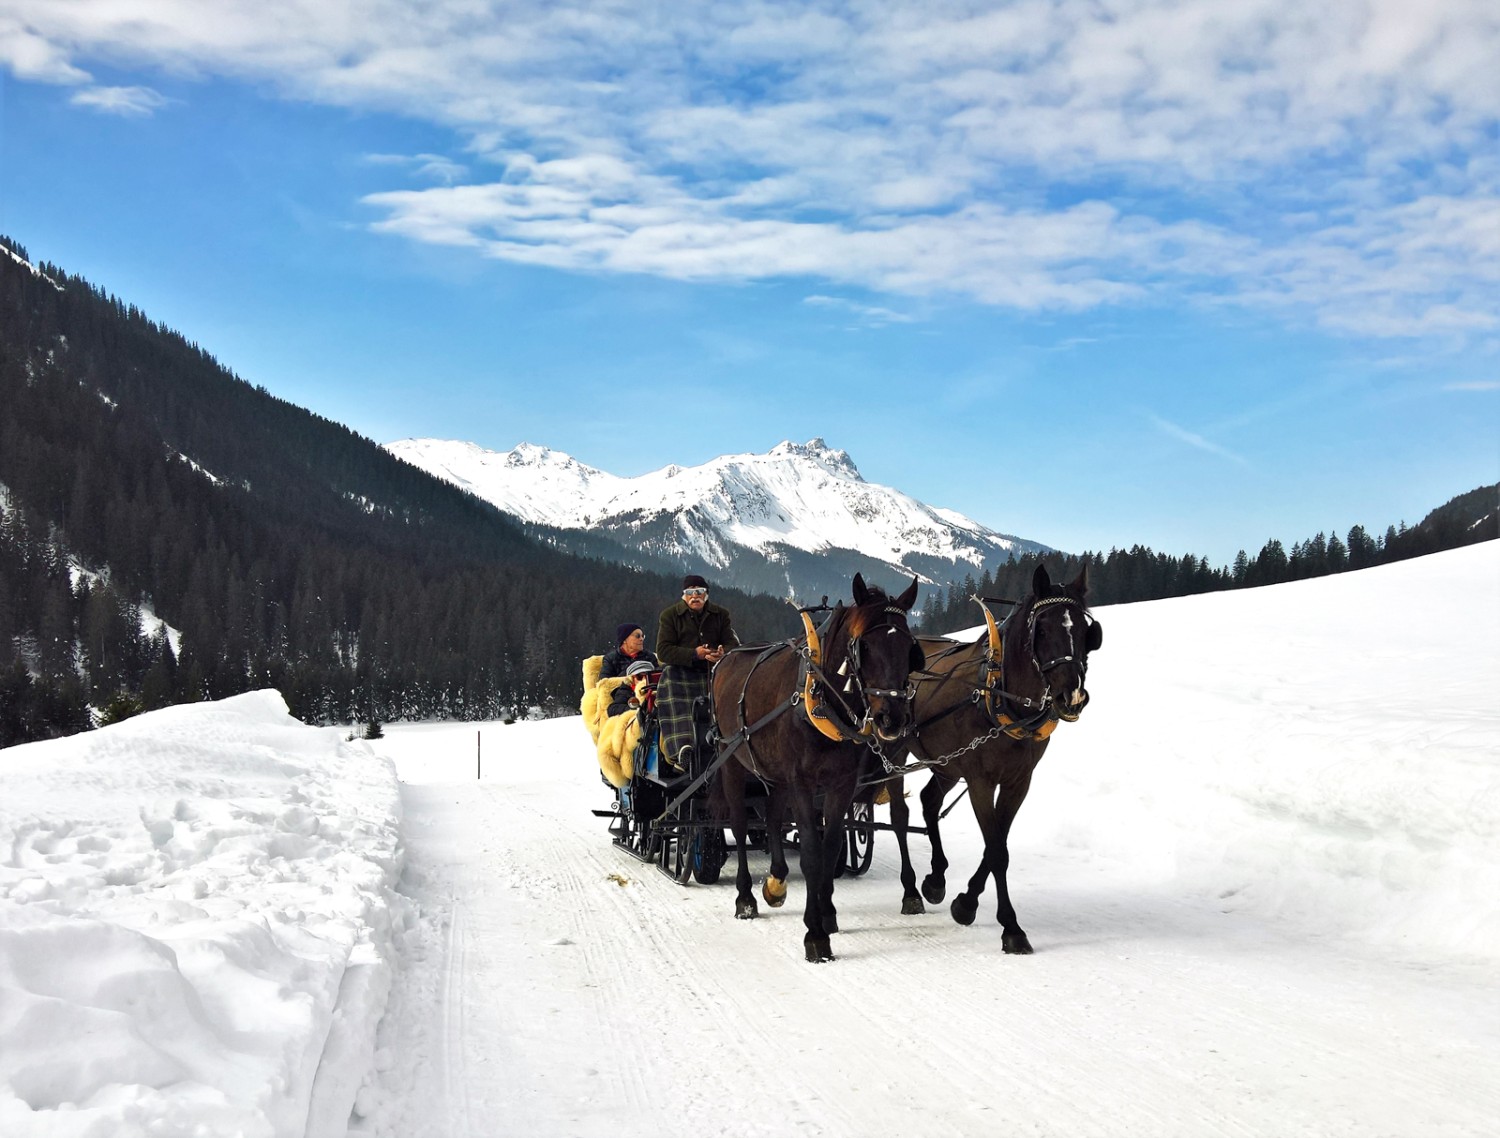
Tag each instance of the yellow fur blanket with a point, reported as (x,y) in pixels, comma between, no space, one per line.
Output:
(614,737)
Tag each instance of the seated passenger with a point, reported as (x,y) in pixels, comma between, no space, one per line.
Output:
(632,694)
(630,646)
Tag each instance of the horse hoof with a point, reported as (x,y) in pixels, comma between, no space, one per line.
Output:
(773,889)
(963,910)
(818,951)
(934,889)
(1016,944)
(746,910)
(910,906)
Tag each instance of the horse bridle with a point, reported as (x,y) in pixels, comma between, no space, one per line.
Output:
(908,692)
(1047,701)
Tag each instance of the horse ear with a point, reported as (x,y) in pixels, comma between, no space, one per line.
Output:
(916,659)
(1095,636)
(909,597)
(1041,583)
(1080,586)
(861,594)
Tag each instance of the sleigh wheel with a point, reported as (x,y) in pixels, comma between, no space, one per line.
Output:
(677,857)
(708,855)
(859,839)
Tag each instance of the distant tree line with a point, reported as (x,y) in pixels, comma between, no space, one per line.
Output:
(1141,574)
(138,476)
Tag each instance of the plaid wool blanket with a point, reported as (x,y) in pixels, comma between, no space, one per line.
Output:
(674,708)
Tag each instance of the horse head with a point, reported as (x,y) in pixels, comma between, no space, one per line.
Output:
(1060,635)
(882,654)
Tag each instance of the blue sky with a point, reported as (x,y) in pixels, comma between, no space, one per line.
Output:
(1192,274)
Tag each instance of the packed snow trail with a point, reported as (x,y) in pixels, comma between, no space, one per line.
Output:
(1271,915)
(559,1001)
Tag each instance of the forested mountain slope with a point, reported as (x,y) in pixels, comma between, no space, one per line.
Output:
(139,476)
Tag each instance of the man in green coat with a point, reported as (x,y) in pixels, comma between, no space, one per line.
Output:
(693,633)
(691,637)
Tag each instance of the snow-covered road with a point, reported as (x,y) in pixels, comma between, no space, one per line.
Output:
(559,1000)
(1235,935)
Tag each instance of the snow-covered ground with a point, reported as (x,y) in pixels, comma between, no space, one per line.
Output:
(1260,875)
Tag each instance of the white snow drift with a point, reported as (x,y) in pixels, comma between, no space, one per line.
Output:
(195,924)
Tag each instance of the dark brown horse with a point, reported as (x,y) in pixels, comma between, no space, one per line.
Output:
(988,722)
(801,715)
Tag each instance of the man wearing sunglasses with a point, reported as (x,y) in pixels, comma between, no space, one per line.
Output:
(691,637)
(694,632)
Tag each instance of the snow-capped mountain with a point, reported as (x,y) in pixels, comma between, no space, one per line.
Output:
(796,521)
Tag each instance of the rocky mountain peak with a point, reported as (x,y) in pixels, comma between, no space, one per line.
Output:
(816,450)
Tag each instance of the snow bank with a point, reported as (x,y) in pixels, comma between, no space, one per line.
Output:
(196,911)
(1324,754)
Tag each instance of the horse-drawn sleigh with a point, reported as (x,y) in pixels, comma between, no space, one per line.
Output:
(796,738)
(669,807)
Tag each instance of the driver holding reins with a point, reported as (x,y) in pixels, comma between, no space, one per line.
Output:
(694,632)
(691,637)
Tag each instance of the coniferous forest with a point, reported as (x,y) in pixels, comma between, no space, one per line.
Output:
(170,533)
(1141,574)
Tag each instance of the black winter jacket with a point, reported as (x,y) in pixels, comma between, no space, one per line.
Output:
(615,662)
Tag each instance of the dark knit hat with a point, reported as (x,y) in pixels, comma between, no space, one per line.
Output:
(693,581)
(625,630)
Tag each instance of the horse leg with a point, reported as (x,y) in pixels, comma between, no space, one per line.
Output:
(935,884)
(982,798)
(911,900)
(773,889)
(837,802)
(1012,794)
(732,779)
(815,941)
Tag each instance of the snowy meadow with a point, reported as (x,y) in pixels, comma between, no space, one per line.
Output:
(1260,875)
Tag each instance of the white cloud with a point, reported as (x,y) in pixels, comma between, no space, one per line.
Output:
(872,314)
(35,57)
(1181,434)
(597,214)
(433,166)
(1425,267)
(128,102)
(1331,162)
